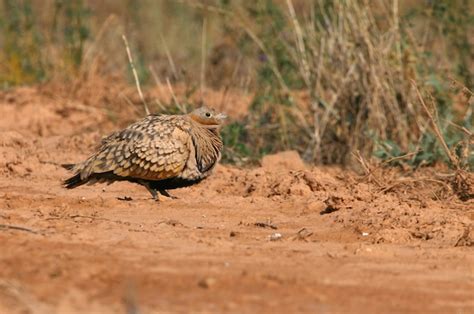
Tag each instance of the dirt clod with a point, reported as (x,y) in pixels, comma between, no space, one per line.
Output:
(207,282)
(289,160)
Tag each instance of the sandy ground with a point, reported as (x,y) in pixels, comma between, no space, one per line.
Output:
(278,238)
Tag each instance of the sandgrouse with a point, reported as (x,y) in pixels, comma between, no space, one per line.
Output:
(160,152)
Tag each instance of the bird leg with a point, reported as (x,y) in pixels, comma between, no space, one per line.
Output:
(152,191)
(165,193)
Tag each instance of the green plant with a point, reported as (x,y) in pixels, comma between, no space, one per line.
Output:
(442,31)
(74,27)
(236,150)
(21,60)
(29,53)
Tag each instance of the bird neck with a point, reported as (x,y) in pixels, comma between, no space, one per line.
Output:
(208,146)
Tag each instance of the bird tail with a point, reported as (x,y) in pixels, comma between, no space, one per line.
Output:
(68,166)
(74,182)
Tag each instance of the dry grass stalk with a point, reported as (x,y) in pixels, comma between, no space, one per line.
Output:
(173,95)
(305,71)
(203,58)
(19,228)
(454,160)
(245,24)
(169,57)
(398,182)
(93,48)
(346,71)
(410,181)
(369,172)
(159,86)
(459,180)
(135,75)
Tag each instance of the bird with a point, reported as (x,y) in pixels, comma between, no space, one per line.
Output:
(159,152)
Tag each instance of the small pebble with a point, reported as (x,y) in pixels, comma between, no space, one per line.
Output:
(206,283)
(275,236)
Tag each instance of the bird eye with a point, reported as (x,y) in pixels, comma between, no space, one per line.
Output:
(208,114)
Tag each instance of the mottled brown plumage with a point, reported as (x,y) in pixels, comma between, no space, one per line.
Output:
(159,152)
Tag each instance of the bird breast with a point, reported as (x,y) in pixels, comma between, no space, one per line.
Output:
(205,152)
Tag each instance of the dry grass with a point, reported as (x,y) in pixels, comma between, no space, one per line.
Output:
(354,82)
(135,75)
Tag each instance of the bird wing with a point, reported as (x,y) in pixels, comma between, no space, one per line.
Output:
(139,154)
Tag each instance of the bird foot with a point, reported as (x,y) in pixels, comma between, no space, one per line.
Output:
(153,192)
(165,193)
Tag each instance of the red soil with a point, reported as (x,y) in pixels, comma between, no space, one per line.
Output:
(283,237)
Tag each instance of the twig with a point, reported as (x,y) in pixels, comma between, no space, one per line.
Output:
(19,228)
(135,75)
(436,129)
(407,181)
(464,87)
(300,44)
(368,171)
(203,58)
(460,128)
(267,224)
(401,157)
(302,234)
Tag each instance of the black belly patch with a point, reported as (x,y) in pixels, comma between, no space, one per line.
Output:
(110,177)
(173,183)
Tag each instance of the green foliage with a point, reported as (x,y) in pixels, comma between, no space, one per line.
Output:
(428,150)
(454,21)
(22,59)
(235,137)
(30,45)
(271,16)
(269,127)
(75,29)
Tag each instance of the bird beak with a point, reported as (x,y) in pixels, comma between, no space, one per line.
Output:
(221,116)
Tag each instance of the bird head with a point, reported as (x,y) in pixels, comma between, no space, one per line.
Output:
(207,117)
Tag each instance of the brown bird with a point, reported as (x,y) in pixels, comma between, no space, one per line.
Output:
(160,152)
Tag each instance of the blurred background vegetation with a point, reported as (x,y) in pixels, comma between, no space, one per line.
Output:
(326,78)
